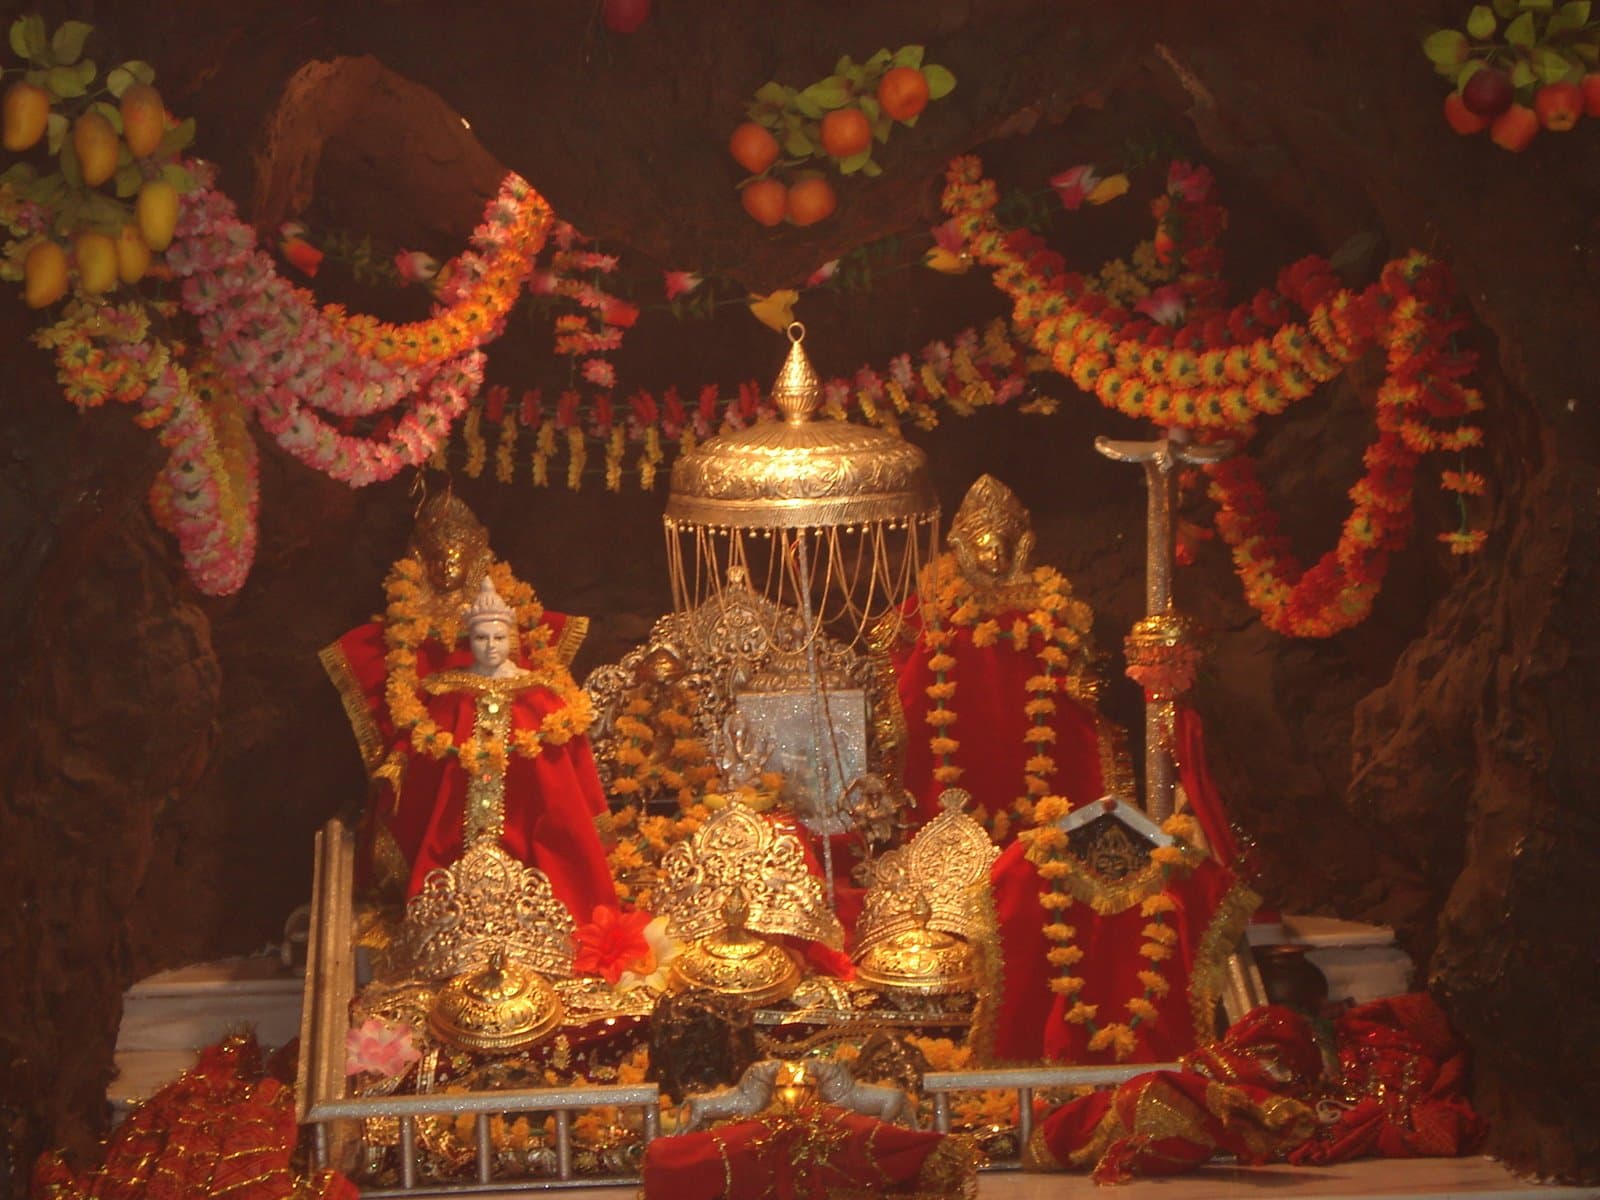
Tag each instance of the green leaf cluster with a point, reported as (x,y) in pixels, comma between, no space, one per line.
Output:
(55,62)
(1536,42)
(794,115)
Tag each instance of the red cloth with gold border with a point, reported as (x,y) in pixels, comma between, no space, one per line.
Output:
(1211,910)
(991,689)
(815,1154)
(219,1130)
(550,801)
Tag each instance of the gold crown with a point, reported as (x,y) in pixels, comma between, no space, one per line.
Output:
(737,849)
(945,866)
(487,902)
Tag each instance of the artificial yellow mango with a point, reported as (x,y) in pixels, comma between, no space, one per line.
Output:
(144,119)
(157,213)
(97,262)
(23,114)
(96,144)
(44,275)
(133,254)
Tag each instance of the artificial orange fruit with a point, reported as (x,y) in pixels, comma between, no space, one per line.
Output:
(96,144)
(753,147)
(811,200)
(846,131)
(903,92)
(766,200)
(144,119)
(44,275)
(156,210)
(26,112)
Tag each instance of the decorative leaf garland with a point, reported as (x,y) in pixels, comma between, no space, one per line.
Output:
(1223,369)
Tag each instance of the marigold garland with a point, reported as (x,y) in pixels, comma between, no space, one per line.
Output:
(1058,621)
(408,624)
(1224,369)
(1047,848)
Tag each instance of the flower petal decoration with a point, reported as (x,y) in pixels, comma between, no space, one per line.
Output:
(679,283)
(776,309)
(613,942)
(379,1048)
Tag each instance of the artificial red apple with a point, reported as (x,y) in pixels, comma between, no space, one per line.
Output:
(1514,129)
(1591,93)
(1559,105)
(1461,118)
(624,16)
(1489,92)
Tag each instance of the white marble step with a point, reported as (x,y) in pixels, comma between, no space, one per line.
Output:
(1361,962)
(169,1016)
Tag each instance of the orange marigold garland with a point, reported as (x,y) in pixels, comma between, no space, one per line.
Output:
(407,626)
(1046,848)
(1057,627)
(1220,370)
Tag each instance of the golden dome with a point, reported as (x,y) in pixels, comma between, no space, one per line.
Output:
(919,961)
(797,472)
(502,1006)
(736,962)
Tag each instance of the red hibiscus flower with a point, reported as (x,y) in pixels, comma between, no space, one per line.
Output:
(613,942)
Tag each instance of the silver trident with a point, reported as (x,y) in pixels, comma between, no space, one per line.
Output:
(1159,459)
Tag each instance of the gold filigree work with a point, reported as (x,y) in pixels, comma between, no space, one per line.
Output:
(485,902)
(736,848)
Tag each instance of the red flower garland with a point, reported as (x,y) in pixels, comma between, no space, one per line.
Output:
(1223,369)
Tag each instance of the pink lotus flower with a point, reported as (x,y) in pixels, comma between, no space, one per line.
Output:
(380,1049)
(823,273)
(680,283)
(1166,305)
(416,267)
(1074,185)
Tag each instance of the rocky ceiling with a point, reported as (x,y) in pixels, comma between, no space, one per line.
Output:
(167,756)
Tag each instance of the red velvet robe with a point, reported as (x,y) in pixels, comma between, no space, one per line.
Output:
(551,802)
(990,721)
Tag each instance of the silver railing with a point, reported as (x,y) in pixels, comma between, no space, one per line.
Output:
(941,1086)
(336,1120)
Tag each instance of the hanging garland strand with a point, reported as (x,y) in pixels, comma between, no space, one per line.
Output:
(1217,371)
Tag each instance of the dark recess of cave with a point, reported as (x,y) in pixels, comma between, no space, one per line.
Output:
(167,757)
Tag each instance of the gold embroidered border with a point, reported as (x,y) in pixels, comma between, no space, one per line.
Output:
(1110,898)
(1209,976)
(572,636)
(354,700)
(485,812)
(991,971)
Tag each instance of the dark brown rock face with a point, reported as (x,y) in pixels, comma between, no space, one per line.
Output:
(167,757)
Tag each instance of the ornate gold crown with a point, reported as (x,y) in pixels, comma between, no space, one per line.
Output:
(947,864)
(991,508)
(736,848)
(486,902)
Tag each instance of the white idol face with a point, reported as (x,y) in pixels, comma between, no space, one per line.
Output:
(491,644)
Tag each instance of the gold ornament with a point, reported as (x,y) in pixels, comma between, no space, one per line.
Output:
(918,961)
(992,535)
(736,962)
(736,849)
(487,902)
(944,869)
(833,519)
(502,1006)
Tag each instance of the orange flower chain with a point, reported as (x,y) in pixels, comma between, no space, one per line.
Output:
(1220,370)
